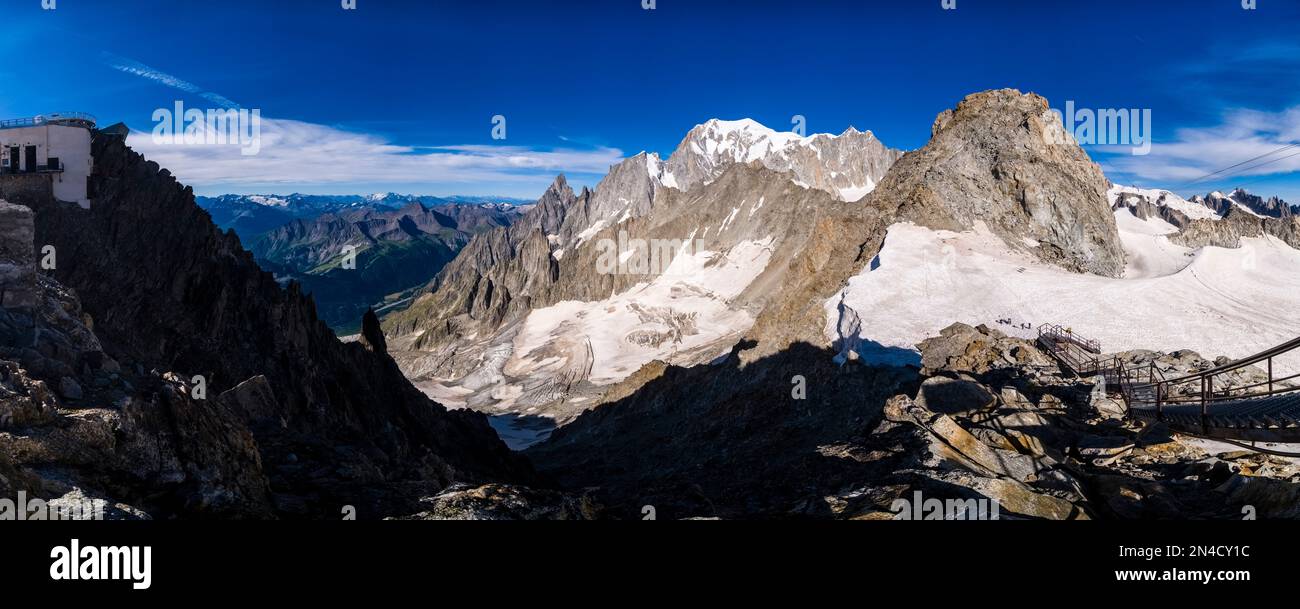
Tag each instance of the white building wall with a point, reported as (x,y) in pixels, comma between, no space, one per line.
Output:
(71,145)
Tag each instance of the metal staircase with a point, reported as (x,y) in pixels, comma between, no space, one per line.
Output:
(1268,411)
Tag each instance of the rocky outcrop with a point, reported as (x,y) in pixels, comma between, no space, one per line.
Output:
(962,349)
(1236,224)
(372,336)
(506,502)
(1024,485)
(24,401)
(43,330)
(1272,207)
(17,257)
(262,389)
(1002,158)
(75,423)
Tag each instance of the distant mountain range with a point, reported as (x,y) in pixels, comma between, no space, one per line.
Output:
(1272,207)
(252,215)
(400,241)
(1212,205)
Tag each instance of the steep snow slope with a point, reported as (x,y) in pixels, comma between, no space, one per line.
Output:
(669,318)
(1230,302)
(1147,246)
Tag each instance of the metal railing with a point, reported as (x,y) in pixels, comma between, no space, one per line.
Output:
(1061,334)
(74,119)
(1077,353)
(1158,392)
(1128,379)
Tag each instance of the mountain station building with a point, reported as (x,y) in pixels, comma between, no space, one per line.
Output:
(52,149)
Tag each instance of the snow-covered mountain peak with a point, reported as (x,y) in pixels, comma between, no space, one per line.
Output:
(740,141)
(847,165)
(268,201)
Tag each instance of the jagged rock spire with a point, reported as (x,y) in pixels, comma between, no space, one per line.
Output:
(372,336)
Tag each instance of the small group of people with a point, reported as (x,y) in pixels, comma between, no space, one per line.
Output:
(1023,326)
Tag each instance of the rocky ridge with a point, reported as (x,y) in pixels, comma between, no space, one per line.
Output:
(475,307)
(286,421)
(993,160)
(1272,207)
(1226,224)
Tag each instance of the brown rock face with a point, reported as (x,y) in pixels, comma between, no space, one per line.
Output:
(1003,159)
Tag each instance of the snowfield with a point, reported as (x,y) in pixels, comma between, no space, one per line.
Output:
(1215,301)
(1147,247)
(853,194)
(684,314)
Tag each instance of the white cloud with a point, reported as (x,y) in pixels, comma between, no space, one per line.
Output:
(296,153)
(1195,152)
(135,68)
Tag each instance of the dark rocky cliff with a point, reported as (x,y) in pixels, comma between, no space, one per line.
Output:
(334,423)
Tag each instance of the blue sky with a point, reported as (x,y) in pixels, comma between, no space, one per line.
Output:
(400,95)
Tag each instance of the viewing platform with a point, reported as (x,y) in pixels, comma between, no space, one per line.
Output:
(68,119)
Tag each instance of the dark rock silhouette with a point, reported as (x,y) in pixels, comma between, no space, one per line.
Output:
(372,336)
(313,423)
